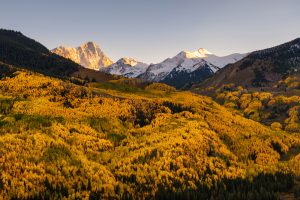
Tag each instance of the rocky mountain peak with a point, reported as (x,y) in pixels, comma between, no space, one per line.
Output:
(88,55)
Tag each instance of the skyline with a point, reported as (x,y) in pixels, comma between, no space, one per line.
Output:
(153,31)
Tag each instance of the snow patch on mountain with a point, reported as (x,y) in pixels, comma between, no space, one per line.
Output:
(127,67)
(185,60)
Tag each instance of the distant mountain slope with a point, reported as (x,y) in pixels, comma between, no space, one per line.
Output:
(127,67)
(88,55)
(188,67)
(186,73)
(221,61)
(263,68)
(183,69)
(189,61)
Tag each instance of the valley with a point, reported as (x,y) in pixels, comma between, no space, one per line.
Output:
(88,134)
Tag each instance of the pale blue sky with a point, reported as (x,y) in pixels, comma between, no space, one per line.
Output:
(152,30)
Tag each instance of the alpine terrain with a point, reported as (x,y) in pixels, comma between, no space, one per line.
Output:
(88,55)
(188,67)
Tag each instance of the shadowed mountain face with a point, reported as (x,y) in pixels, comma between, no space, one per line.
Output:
(187,68)
(262,68)
(19,50)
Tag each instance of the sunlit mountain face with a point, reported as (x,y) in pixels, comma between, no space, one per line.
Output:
(88,55)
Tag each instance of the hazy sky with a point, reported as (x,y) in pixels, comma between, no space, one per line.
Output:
(152,30)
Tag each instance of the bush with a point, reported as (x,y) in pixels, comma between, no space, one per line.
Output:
(276,126)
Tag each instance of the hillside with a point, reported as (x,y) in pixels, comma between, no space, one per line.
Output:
(260,69)
(19,50)
(109,140)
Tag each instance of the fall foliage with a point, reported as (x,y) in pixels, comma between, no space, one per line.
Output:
(59,140)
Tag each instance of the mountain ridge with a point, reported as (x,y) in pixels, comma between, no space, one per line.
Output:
(179,70)
(127,67)
(260,69)
(89,55)
(167,69)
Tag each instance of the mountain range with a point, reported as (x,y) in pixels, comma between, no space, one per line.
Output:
(183,69)
(68,132)
(188,67)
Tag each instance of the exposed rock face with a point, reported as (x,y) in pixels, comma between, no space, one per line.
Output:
(88,55)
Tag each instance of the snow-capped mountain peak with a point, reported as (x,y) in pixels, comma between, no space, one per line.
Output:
(188,62)
(127,67)
(200,53)
(128,61)
(203,52)
(186,66)
(184,61)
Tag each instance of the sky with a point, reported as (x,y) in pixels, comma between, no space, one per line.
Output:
(153,30)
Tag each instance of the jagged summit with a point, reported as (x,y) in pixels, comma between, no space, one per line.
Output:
(92,46)
(181,68)
(88,55)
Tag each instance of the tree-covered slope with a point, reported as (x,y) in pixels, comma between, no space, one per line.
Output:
(19,50)
(60,140)
(260,69)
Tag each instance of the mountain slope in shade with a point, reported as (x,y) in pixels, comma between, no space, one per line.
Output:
(187,60)
(88,55)
(23,52)
(127,67)
(19,50)
(263,68)
(180,77)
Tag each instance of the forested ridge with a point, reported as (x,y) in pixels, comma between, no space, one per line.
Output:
(113,140)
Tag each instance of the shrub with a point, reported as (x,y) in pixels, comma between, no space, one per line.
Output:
(276,126)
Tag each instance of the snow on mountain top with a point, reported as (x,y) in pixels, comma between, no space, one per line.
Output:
(127,67)
(128,61)
(201,53)
(189,62)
